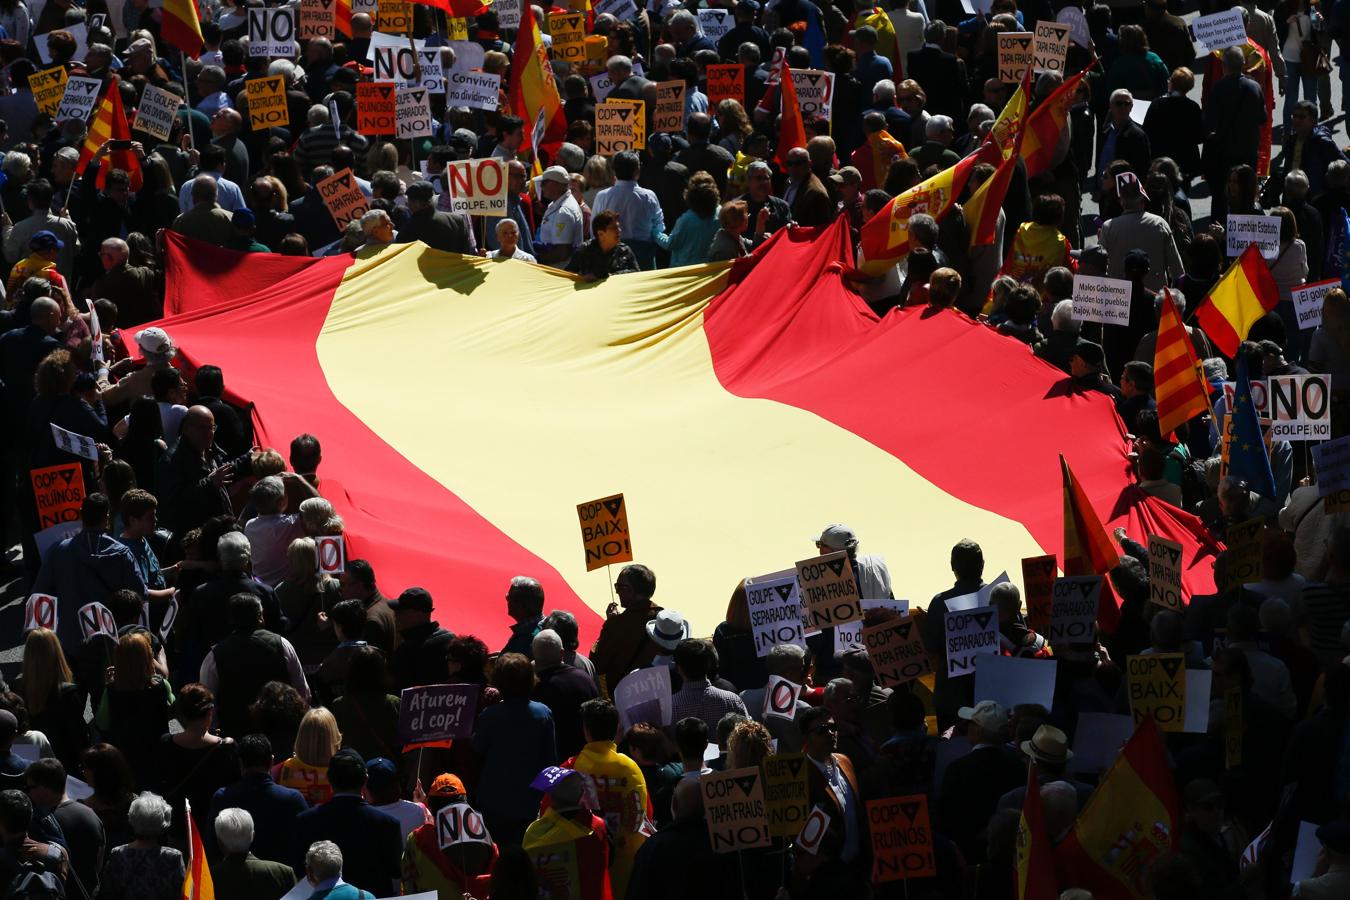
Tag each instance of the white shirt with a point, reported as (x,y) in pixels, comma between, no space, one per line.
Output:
(270,537)
(562,224)
(519,254)
(411,816)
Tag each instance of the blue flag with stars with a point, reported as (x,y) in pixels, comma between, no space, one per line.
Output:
(1247,457)
(1343,246)
(814,37)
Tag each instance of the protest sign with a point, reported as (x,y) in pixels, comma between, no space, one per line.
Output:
(156,112)
(604,532)
(79,32)
(48,87)
(601,85)
(1050,46)
(1101,299)
(1157,687)
(75,444)
(412,111)
(476,90)
(1164,573)
(469,56)
(343,197)
(271,32)
(668,113)
(815,92)
(569,36)
(644,695)
(437,712)
(393,16)
(1078,27)
(969,632)
(896,651)
(331,553)
(1014,55)
(1098,740)
(1073,610)
(902,838)
(1221,30)
(829,590)
(457,29)
(726,81)
(267,107)
(1300,407)
(623,10)
(1308,302)
(59,493)
(170,615)
(785,793)
(619,126)
(95,618)
(775,607)
(780,699)
(1012,680)
(1332,462)
(715,23)
(508,16)
(847,636)
(433,76)
(317,19)
(813,830)
(733,804)
(1263,231)
(478,187)
(976,598)
(376,112)
(1038,578)
(394,58)
(460,823)
(79,100)
(39,611)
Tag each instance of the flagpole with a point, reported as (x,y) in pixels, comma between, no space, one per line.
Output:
(182,58)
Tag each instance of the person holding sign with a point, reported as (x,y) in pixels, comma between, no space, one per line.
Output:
(1016,638)
(433,862)
(831,783)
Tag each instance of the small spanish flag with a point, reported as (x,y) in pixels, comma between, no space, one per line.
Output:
(1179,383)
(197,885)
(534,92)
(181,26)
(885,237)
(1045,125)
(1088,549)
(1243,294)
(1002,147)
(1035,871)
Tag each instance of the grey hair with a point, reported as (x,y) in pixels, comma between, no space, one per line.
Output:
(885,88)
(69,154)
(267,494)
(233,550)
(547,647)
(323,860)
(935,31)
(1006,591)
(16,164)
(318,115)
(835,686)
(937,125)
(749,50)
(562,622)
(784,660)
(1177,297)
(234,830)
(530,588)
(683,17)
(284,68)
(374,215)
(620,62)
(759,166)
(1124,92)
(1215,369)
(116,244)
(924,228)
(149,816)
(980,112)
(1297,178)
(1062,315)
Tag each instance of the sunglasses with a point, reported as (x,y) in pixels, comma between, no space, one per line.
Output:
(826,729)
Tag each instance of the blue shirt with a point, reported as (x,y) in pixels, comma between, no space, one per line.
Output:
(870,69)
(147,563)
(228,194)
(639,211)
(515,740)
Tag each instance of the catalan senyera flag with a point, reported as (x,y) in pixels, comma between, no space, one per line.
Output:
(1046,123)
(1178,380)
(110,123)
(885,236)
(197,884)
(181,26)
(791,130)
(1132,819)
(1034,865)
(1243,294)
(1003,144)
(692,391)
(534,92)
(342,17)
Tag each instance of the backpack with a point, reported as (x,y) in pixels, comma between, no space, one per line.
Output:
(34,883)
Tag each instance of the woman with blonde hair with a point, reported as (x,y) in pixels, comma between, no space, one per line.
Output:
(748,744)
(307,769)
(134,711)
(306,595)
(55,704)
(734,124)
(598,175)
(319,518)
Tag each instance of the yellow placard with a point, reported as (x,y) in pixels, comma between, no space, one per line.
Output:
(569,36)
(48,87)
(620,125)
(1243,559)
(1157,686)
(604,532)
(458,29)
(267,103)
(785,793)
(829,590)
(393,16)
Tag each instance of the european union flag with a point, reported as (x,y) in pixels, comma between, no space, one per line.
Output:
(1247,458)
(1343,233)
(814,37)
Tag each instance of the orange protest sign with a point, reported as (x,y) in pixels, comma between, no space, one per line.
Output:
(376,108)
(902,838)
(343,197)
(604,532)
(59,492)
(829,590)
(896,651)
(725,82)
(394,16)
(1038,580)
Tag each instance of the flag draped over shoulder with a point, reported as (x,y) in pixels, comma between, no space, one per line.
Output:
(197,884)
(1002,147)
(1256,66)
(534,93)
(1243,294)
(1247,457)
(791,130)
(885,236)
(181,27)
(1034,866)
(110,124)
(1132,819)
(887,44)
(1179,383)
(1045,125)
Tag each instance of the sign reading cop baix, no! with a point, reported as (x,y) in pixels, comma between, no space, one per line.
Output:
(604,532)
(902,838)
(1157,686)
(733,804)
(829,590)
(1101,299)
(969,632)
(1073,610)
(343,196)
(271,32)
(896,651)
(775,607)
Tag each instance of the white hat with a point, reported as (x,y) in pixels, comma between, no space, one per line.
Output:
(988,714)
(555,173)
(837,537)
(667,629)
(155,341)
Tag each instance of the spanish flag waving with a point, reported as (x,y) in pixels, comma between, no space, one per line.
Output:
(534,92)
(1002,146)
(1046,124)
(885,236)
(1243,294)
(110,124)
(181,26)
(197,884)
(1035,873)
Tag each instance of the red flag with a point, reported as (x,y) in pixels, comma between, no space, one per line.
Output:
(458,9)
(1088,549)
(110,124)
(1035,872)
(791,130)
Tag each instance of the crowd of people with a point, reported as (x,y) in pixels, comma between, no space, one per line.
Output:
(240,690)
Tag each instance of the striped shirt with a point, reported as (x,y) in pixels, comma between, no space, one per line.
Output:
(1327,607)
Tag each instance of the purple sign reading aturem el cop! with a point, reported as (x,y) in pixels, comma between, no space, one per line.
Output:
(437,712)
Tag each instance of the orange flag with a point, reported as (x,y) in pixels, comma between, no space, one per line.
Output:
(1178,382)
(110,124)
(1035,872)
(791,130)
(197,885)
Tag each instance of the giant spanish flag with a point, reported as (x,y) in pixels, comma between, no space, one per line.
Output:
(180,26)
(1243,294)
(110,124)
(466,406)
(534,92)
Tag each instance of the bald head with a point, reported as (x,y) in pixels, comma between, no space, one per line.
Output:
(1233,60)
(45,313)
(687,800)
(199,427)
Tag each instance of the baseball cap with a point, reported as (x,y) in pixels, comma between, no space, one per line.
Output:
(988,714)
(555,174)
(415,598)
(381,772)
(154,340)
(837,537)
(140,45)
(566,794)
(447,785)
(347,761)
(847,175)
(45,240)
(244,218)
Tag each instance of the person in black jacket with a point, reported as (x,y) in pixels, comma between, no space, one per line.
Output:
(942,75)
(192,486)
(206,617)
(1234,112)
(438,230)
(371,841)
(243,661)
(421,655)
(1174,124)
(234,429)
(1121,138)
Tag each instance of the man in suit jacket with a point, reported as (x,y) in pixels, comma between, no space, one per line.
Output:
(842,866)
(370,842)
(942,75)
(238,873)
(804,192)
(973,784)
(1234,112)
(438,230)
(1122,138)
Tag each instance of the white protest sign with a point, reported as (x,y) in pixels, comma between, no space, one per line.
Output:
(1050,46)
(52,535)
(1300,407)
(433,78)
(1014,55)
(166,623)
(1195,720)
(715,23)
(601,85)
(1073,610)
(39,612)
(1078,27)
(412,111)
(978,598)
(1139,111)
(815,92)
(477,187)
(847,637)
(1101,299)
(95,618)
(1332,461)
(393,58)
(1306,851)
(780,699)
(468,55)
(459,823)
(508,15)
(1263,231)
(1308,301)
(969,633)
(79,99)
(1012,680)
(1220,30)
(775,607)
(271,32)
(156,112)
(622,10)
(476,90)
(74,443)
(1260,396)
(813,831)
(331,554)
(79,32)
(644,696)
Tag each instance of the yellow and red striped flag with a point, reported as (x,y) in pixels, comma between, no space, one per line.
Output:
(110,124)
(791,130)
(342,17)
(1178,382)
(885,237)
(1034,867)
(181,26)
(534,92)
(197,885)
(1243,294)
(1046,124)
